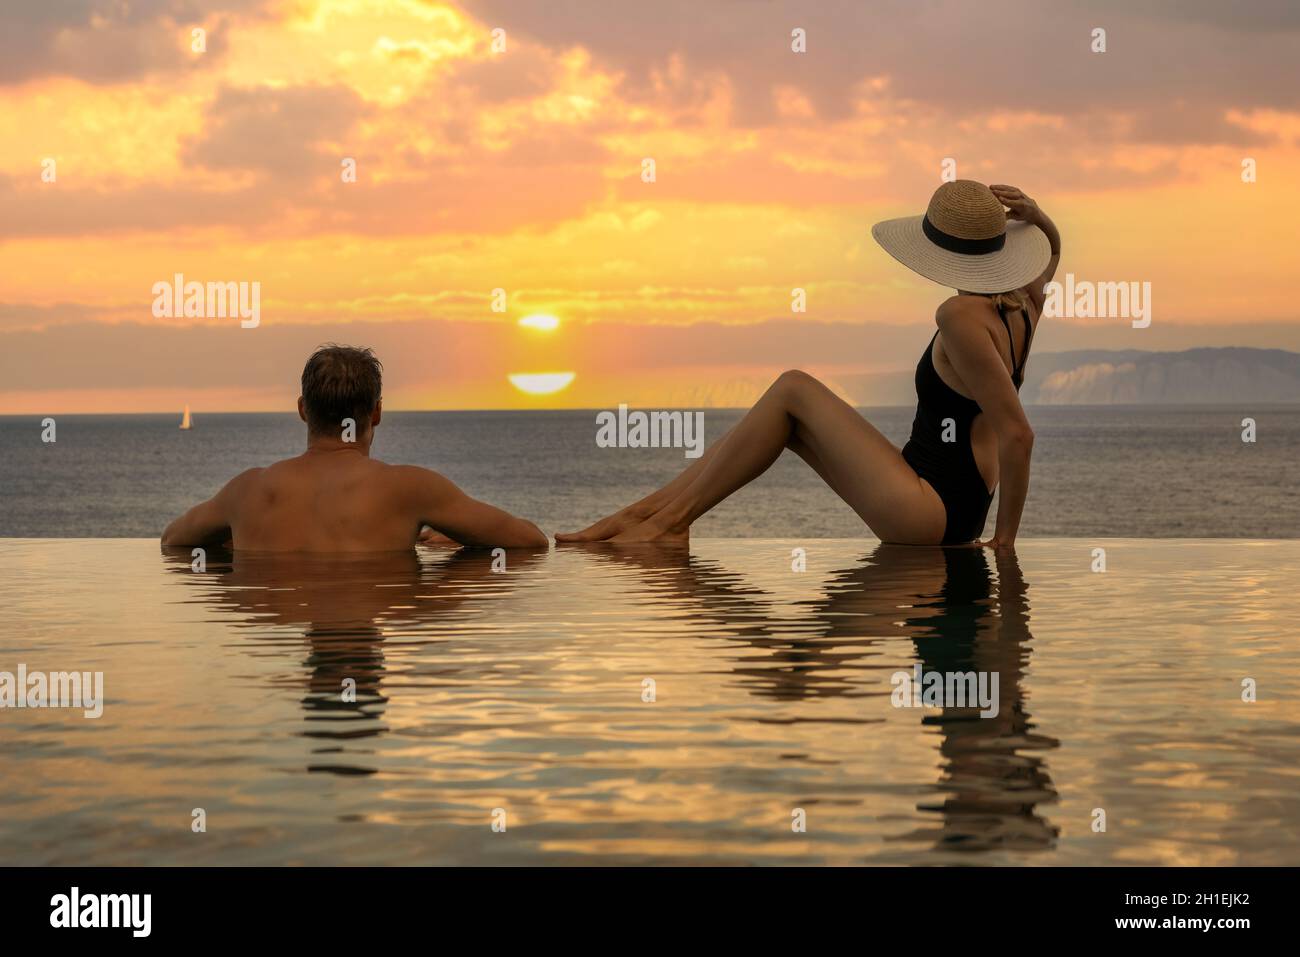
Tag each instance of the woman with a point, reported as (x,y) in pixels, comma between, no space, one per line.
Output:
(970,431)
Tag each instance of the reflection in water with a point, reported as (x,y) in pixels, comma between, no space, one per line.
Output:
(718,601)
(953,614)
(524,691)
(958,618)
(792,667)
(345,607)
(961,620)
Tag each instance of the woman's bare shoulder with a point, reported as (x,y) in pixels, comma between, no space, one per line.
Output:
(964,308)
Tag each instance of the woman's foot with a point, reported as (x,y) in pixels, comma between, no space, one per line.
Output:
(432,536)
(652,530)
(608,527)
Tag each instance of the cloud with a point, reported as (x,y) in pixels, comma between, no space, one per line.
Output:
(961,58)
(16,316)
(457,364)
(485,144)
(107,41)
(442,363)
(521,170)
(70,210)
(284,133)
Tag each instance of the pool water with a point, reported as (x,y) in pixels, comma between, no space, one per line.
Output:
(629,706)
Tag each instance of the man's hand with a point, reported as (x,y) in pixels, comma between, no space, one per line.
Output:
(208,523)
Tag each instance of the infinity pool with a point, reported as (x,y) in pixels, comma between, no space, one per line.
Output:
(594,705)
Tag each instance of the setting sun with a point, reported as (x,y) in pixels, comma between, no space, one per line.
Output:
(540,321)
(541,383)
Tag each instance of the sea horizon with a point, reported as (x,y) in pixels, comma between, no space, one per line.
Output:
(1154,471)
(1206,405)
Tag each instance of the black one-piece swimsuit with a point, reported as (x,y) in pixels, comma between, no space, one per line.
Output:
(950,467)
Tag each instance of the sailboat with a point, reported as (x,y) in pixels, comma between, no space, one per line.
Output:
(185,421)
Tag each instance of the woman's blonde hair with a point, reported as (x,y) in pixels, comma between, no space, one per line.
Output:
(1015,299)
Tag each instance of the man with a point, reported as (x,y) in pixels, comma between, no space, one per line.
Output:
(335,497)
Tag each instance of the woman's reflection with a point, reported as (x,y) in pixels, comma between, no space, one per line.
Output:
(960,619)
(722,603)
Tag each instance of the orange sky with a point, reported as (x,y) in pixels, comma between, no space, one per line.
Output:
(521,170)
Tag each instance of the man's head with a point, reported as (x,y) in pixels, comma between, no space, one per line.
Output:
(340,382)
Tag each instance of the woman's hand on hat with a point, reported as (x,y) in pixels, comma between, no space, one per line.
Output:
(1019,206)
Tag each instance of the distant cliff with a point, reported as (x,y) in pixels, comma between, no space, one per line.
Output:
(1193,376)
(1114,377)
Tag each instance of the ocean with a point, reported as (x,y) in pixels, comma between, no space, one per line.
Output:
(1100,471)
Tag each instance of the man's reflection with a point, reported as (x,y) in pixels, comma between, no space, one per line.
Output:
(346,607)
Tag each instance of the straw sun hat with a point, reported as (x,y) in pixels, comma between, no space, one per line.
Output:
(964,241)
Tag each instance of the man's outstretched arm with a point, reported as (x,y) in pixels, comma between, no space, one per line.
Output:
(208,523)
(442,505)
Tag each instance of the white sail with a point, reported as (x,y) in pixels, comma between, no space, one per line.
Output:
(185,422)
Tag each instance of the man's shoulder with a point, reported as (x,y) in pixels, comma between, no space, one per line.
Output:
(415,475)
(421,485)
(238,487)
(249,476)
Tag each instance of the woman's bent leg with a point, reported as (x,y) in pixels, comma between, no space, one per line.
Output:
(638,511)
(852,456)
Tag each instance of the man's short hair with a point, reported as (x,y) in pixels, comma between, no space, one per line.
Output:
(340,382)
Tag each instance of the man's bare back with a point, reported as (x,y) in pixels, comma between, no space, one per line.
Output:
(336,498)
